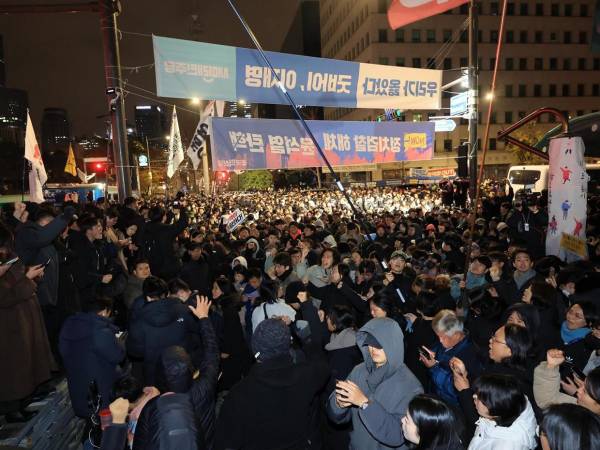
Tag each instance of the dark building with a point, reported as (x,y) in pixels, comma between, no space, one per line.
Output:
(150,122)
(56,131)
(13,114)
(2,64)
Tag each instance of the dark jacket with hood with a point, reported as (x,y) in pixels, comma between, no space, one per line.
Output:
(272,408)
(90,351)
(389,389)
(34,246)
(175,377)
(157,325)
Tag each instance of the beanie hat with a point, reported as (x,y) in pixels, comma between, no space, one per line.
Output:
(271,339)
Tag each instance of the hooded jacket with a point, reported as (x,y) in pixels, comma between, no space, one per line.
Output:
(389,389)
(521,435)
(157,325)
(90,351)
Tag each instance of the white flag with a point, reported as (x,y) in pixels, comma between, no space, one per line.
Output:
(83,177)
(37,175)
(198,143)
(175,146)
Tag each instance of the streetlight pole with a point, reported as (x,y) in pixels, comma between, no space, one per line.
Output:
(473,97)
(149,167)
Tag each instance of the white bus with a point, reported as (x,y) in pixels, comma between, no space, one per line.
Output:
(534,178)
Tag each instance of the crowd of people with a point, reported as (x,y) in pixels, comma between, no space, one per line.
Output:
(414,324)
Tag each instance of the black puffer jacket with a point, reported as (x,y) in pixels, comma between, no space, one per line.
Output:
(201,395)
(158,246)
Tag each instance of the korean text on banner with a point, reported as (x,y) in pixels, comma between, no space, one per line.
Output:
(37,174)
(244,144)
(187,69)
(234,220)
(403,12)
(567,198)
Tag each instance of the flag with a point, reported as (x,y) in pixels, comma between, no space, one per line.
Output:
(37,174)
(83,177)
(71,166)
(175,146)
(198,144)
(403,12)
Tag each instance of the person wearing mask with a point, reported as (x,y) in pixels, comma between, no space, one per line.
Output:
(273,407)
(376,394)
(429,424)
(547,384)
(160,322)
(159,238)
(184,415)
(26,356)
(506,418)
(91,350)
(566,427)
(135,282)
(453,343)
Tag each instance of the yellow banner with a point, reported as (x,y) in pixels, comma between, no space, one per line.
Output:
(573,244)
(71,166)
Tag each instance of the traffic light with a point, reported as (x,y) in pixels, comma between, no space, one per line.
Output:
(222,177)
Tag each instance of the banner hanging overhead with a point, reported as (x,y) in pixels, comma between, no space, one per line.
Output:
(567,199)
(189,69)
(403,12)
(242,144)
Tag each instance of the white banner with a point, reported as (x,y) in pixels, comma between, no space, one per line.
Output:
(234,220)
(198,143)
(175,146)
(567,197)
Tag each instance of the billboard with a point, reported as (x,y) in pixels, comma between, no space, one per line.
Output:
(189,69)
(245,144)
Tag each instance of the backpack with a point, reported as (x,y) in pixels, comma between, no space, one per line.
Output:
(177,429)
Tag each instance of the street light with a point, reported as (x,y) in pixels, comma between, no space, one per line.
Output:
(489,96)
(195,101)
(242,101)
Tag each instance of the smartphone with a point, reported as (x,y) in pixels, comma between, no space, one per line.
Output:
(424,354)
(47,262)
(10,261)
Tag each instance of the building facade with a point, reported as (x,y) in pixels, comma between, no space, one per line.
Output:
(546,61)
(150,122)
(56,131)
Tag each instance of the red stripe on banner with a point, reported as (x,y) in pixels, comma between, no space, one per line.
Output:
(403,12)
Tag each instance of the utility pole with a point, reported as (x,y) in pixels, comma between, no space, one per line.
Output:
(473,95)
(114,93)
(112,70)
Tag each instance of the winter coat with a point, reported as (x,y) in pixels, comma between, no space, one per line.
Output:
(402,283)
(197,275)
(89,266)
(33,244)
(441,375)
(422,334)
(25,353)
(157,325)
(128,217)
(521,435)
(345,295)
(133,291)
(389,389)
(273,407)
(158,244)
(201,395)
(546,387)
(90,351)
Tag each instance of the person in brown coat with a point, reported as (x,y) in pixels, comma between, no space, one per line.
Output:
(25,355)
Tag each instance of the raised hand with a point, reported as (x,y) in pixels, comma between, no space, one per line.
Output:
(202,307)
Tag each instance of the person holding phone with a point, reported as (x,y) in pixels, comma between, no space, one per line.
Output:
(26,355)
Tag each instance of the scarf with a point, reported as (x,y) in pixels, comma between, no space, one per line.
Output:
(569,336)
(523,277)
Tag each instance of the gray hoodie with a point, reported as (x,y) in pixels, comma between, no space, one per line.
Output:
(389,389)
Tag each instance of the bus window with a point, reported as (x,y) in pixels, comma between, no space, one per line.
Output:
(524,177)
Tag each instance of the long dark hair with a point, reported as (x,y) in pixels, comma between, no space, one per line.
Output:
(436,423)
(502,396)
(568,427)
(341,317)
(518,340)
(230,297)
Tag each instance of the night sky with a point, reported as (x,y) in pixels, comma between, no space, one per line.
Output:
(58,58)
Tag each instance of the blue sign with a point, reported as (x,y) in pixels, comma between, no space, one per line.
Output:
(189,69)
(243,144)
(444,125)
(143,161)
(459,104)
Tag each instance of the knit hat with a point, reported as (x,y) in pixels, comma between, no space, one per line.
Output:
(271,339)
(399,254)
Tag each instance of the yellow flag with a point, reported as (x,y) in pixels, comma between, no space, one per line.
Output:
(71,166)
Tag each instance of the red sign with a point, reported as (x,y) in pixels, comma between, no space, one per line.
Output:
(403,12)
